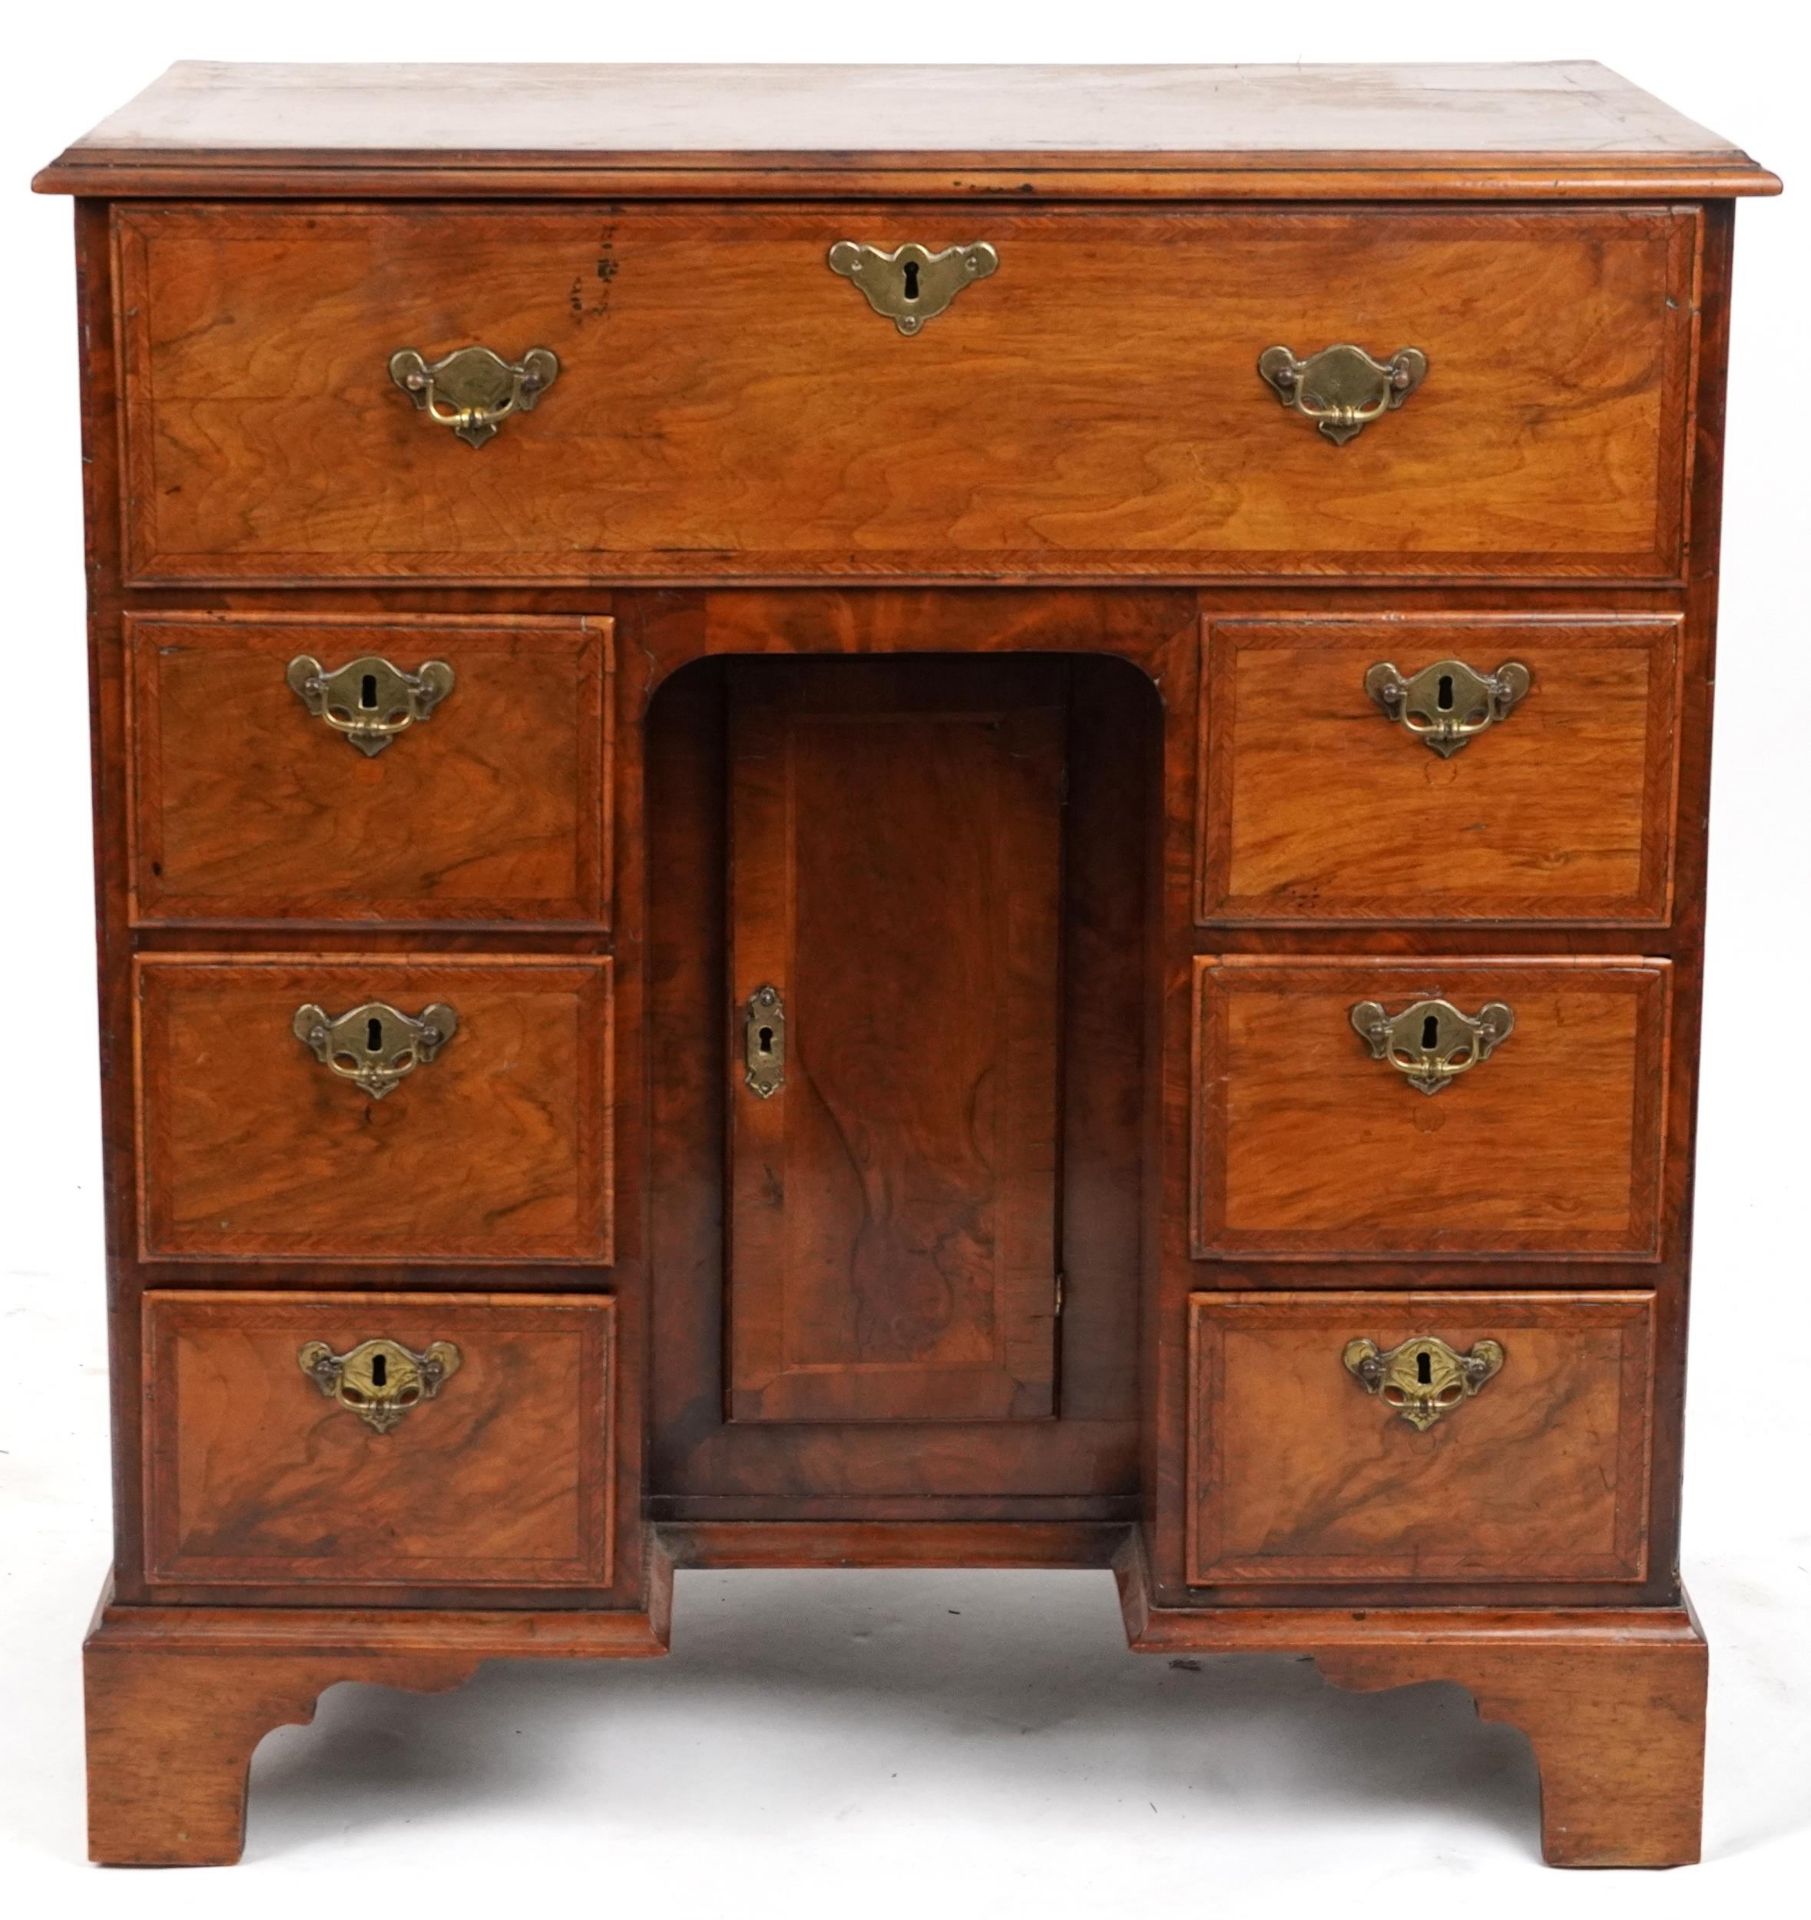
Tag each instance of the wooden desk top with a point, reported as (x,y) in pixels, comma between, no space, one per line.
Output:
(1561,131)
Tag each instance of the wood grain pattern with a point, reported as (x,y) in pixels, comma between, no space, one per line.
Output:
(1090,417)
(896,871)
(1297,1474)
(874,1542)
(170,1738)
(1305,1144)
(1564,128)
(504,1478)
(1083,445)
(500,1150)
(248,808)
(178,1697)
(982,1473)
(1611,1699)
(1315,808)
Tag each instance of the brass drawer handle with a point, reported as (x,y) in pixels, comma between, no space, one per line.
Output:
(1423,1379)
(369,700)
(911,284)
(764,1042)
(1342,389)
(473,390)
(374,1046)
(1431,1043)
(1446,704)
(380,1380)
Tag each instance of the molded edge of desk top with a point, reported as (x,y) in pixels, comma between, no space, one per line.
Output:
(1562,131)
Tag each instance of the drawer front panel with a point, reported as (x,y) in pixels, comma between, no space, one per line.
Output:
(1320,804)
(725,402)
(1307,1144)
(1299,1472)
(490,804)
(496,1472)
(495,1148)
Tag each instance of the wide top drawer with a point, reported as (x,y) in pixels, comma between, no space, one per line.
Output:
(754,393)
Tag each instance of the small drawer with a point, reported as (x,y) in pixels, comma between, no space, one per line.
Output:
(1370,1108)
(1419,1437)
(398,1109)
(379,1439)
(652,393)
(320,768)
(1416,771)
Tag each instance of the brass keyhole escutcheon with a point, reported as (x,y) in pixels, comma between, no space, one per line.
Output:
(1424,1379)
(368,700)
(1448,703)
(911,284)
(1431,1043)
(764,1042)
(380,1380)
(375,1046)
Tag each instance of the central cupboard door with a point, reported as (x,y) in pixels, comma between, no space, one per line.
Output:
(894,1049)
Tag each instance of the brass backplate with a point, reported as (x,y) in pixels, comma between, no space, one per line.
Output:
(911,284)
(1431,1043)
(1423,1379)
(1341,388)
(473,390)
(368,700)
(1448,703)
(380,1380)
(374,1046)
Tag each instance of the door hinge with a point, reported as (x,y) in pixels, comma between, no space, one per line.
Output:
(1059,1296)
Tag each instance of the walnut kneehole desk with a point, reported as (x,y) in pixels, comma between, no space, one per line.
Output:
(900,817)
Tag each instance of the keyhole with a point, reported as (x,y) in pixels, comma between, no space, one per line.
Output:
(367,691)
(374,1036)
(911,279)
(1444,698)
(764,1039)
(1430,1031)
(1424,1370)
(380,1370)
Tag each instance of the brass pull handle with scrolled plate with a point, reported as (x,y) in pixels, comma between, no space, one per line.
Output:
(374,1046)
(1341,388)
(1448,703)
(1423,1379)
(1431,1043)
(473,390)
(911,284)
(380,1380)
(368,700)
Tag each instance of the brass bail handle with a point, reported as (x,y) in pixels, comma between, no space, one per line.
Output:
(380,1380)
(1341,388)
(1423,1379)
(473,390)
(1431,1043)
(369,701)
(1447,704)
(375,1046)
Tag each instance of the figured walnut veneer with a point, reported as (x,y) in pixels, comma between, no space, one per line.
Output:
(1107,426)
(1002,693)
(246,810)
(504,1478)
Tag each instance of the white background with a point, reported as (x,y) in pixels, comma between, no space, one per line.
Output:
(836,1743)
